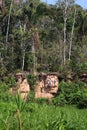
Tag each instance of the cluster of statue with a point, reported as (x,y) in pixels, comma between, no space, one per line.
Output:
(22,87)
(46,87)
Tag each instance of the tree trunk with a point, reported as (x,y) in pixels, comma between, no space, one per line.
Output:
(34,57)
(71,38)
(65,20)
(9,21)
(23,44)
(23,60)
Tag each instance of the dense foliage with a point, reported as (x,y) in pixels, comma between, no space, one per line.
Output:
(36,37)
(32,37)
(32,79)
(72,94)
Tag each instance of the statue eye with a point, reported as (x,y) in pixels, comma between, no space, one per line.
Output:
(48,82)
(54,81)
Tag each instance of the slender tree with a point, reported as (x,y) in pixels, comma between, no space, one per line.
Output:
(72,32)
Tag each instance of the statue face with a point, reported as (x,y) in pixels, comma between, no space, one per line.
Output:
(51,81)
(19,76)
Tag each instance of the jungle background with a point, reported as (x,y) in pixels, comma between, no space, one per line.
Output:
(36,37)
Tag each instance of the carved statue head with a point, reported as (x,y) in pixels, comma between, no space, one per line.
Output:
(19,77)
(51,81)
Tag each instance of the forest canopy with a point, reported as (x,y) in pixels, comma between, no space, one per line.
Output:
(35,36)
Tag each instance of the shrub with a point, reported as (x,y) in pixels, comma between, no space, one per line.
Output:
(71,93)
(7,82)
(32,80)
(83,100)
(82,103)
(59,100)
(3,87)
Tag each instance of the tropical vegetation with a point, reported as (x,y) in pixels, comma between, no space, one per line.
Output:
(37,37)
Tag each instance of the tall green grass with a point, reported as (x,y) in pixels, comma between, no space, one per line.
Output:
(43,117)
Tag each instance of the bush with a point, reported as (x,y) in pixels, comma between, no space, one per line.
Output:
(3,87)
(82,103)
(71,93)
(83,100)
(32,80)
(59,100)
(9,80)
